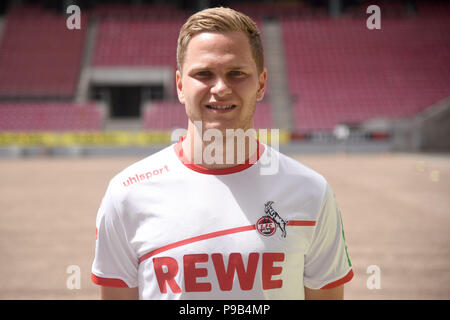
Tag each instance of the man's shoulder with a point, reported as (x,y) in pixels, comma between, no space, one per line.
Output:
(300,183)
(296,169)
(145,168)
(292,174)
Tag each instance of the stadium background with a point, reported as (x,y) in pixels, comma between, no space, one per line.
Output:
(369,109)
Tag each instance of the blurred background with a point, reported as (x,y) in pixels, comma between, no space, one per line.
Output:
(110,83)
(345,97)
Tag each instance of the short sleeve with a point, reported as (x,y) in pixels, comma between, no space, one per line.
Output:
(115,262)
(327,263)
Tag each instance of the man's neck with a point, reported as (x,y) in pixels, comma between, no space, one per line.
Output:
(213,150)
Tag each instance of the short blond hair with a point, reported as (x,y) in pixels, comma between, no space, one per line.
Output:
(222,20)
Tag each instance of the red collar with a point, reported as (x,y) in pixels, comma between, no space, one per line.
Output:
(198,168)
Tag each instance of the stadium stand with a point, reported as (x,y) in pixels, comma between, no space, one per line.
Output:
(133,39)
(337,70)
(136,42)
(164,115)
(146,36)
(39,56)
(263,115)
(155,10)
(263,10)
(50,116)
(341,72)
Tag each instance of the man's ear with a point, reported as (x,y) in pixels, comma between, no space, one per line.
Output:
(262,85)
(179,87)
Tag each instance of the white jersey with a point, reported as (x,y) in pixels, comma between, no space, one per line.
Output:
(179,231)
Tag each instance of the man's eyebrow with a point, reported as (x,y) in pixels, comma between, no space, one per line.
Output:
(239,67)
(205,67)
(198,68)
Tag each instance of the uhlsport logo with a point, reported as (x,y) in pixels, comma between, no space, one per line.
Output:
(267,225)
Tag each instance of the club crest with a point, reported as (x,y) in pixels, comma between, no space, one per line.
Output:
(267,225)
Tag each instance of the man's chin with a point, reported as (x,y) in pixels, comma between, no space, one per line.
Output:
(222,126)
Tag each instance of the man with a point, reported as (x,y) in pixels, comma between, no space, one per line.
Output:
(190,222)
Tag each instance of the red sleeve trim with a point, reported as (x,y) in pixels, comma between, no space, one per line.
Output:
(108,282)
(339,282)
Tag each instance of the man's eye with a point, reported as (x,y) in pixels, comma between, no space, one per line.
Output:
(204,73)
(237,73)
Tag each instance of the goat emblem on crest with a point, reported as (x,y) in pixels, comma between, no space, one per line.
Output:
(270,212)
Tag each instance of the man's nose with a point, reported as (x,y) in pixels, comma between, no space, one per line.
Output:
(220,88)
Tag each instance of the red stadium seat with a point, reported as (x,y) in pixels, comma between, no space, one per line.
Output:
(341,72)
(50,116)
(39,56)
(137,41)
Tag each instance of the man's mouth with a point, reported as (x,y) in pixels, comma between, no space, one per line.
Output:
(221,107)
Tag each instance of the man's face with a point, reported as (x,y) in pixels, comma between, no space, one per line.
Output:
(219,83)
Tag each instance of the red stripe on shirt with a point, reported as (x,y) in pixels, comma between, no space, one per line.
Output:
(301,223)
(195,239)
(214,235)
